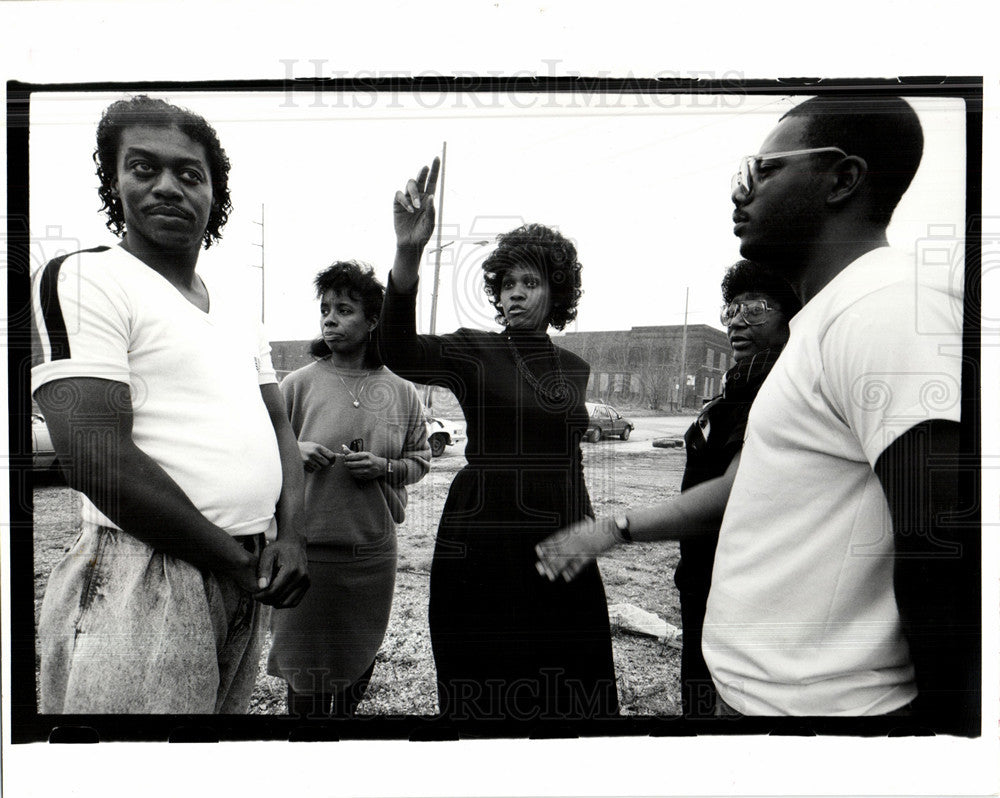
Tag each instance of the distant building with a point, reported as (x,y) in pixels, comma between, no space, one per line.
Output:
(642,366)
(636,367)
(287,356)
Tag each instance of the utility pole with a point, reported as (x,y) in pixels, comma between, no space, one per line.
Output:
(261,267)
(684,349)
(429,399)
(437,255)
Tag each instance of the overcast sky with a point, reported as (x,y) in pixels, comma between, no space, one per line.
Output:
(640,182)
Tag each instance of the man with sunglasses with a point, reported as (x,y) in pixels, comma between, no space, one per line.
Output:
(838,589)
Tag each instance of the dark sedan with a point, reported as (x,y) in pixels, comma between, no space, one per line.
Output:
(606,422)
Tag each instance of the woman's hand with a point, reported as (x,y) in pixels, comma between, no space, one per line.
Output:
(364,466)
(571,549)
(413,209)
(315,455)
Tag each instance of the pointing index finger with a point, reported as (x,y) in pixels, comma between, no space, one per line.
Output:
(433,177)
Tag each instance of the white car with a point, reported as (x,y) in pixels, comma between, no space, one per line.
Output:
(43,456)
(442,433)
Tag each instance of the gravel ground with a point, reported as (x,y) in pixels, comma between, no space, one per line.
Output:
(619,476)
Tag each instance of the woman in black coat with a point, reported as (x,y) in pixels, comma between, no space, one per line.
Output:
(508,643)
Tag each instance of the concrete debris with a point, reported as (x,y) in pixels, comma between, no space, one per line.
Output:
(630,618)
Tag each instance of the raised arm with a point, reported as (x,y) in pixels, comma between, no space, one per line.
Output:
(413,218)
(90,421)
(425,359)
(694,513)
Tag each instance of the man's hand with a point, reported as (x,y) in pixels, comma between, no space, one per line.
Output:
(364,466)
(92,435)
(413,209)
(282,572)
(243,573)
(571,549)
(315,456)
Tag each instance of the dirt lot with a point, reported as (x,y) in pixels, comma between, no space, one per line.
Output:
(619,475)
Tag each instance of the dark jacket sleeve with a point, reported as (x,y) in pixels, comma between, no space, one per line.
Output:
(743,382)
(937,574)
(424,359)
(577,371)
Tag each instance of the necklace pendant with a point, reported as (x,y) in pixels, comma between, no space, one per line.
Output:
(356,403)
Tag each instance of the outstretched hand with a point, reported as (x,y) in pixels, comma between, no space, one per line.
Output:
(571,549)
(413,209)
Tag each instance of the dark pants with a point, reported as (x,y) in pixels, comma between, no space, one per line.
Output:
(698,694)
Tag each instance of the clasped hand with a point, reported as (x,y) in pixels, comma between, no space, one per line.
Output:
(364,466)
(567,552)
(282,572)
(315,456)
(360,465)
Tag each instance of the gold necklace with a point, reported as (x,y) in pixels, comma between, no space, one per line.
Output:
(364,378)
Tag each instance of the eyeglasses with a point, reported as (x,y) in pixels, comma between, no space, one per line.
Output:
(753,311)
(750,165)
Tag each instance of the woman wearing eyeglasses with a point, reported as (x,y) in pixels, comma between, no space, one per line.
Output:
(758,305)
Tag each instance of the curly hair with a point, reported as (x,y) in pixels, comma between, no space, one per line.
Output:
(143,110)
(885,131)
(358,281)
(546,250)
(748,277)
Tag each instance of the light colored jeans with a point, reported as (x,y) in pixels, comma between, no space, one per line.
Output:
(127,629)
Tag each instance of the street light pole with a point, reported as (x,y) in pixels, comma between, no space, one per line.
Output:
(261,267)
(437,258)
(428,400)
(684,350)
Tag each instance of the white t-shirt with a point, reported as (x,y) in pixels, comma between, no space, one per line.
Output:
(802,617)
(194,378)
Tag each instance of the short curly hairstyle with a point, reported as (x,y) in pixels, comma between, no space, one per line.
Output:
(748,277)
(358,281)
(142,110)
(546,250)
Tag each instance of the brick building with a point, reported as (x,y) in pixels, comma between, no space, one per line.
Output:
(642,366)
(287,356)
(639,367)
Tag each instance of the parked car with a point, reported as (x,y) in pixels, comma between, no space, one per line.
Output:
(442,433)
(606,422)
(43,456)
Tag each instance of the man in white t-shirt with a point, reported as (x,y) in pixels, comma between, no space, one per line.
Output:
(842,586)
(165,413)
